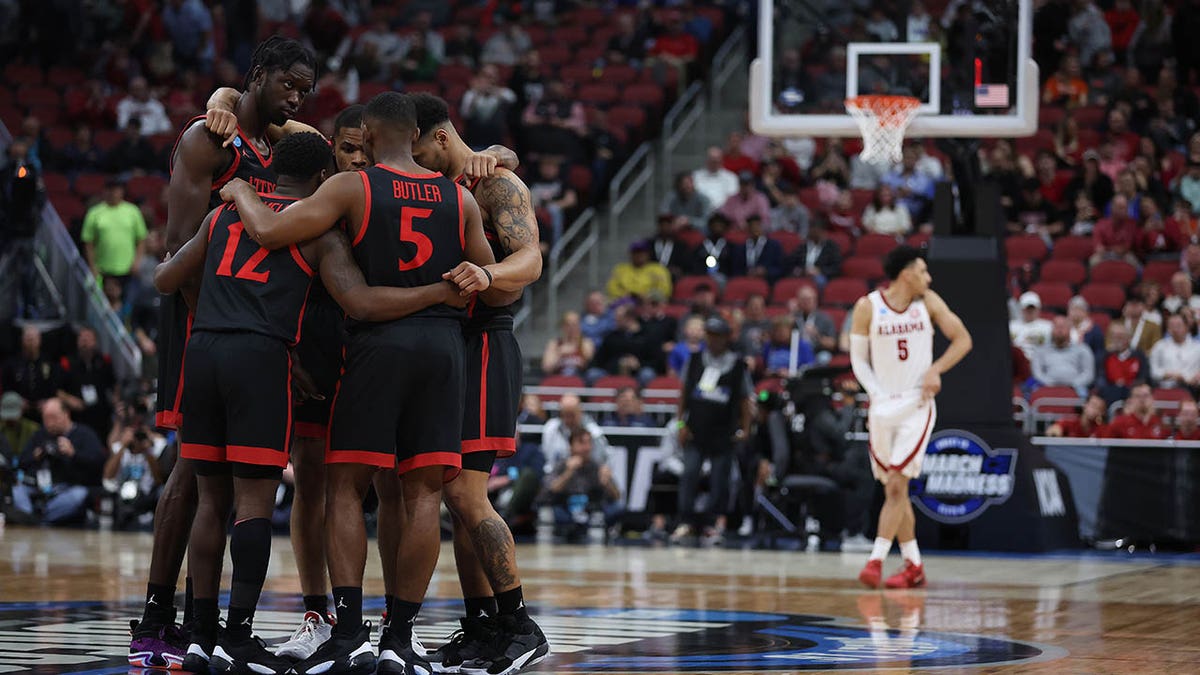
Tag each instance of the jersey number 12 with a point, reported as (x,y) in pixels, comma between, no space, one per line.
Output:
(246,271)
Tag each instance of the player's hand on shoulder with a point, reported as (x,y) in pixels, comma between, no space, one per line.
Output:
(480,165)
(230,189)
(223,123)
(469,277)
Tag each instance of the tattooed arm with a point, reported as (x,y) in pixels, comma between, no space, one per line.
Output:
(506,200)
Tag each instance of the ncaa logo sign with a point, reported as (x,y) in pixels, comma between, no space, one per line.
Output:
(961,476)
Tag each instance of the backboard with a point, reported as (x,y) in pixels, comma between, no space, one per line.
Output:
(968,61)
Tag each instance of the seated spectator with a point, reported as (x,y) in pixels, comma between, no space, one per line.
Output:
(132,471)
(668,251)
(1083,330)
(791,215)
(555,123)
(31,375)
(549,190)
(714,255)
(1066,87)
(1083,222)
(713,180)
(885,216)
(420,61)
(88,384)
(760,256)
(64,460)
(747,201)
(580,485)
(685,202)
(1138,421)
(421,28)
(1063,363)
(787,351)
(755,324)
(1067,149)
(628,45)
(660,328)
(1187,422)
(377,51)
(463,46)
(556,434)
(914,189)
(629,412)
(1182,225)
(640,276)
(1091,180)
(597,320)
(81,154)
(1151,294)
(505,45)
(1188,185)
(1030,331)
(842,216)
(1175,359)
(1116,234)
(189,24)
(485,108)
(1088,425)
(571,351)
(691,344)
(1121,367)
(627,350)
(1154,241)
(1144,331)
(133,154)
(91,106)
(1036,215)
(818,258)
(15,429)
(140,105)
(1181,294)
(814,324)
(675,47)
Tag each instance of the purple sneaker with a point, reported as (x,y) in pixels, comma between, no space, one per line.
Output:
(162,647)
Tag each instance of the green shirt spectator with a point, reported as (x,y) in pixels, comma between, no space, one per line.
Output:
(114,234)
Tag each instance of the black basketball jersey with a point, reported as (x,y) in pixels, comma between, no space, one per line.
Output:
(412,231)
(246,163)
(482,316)
(247,288)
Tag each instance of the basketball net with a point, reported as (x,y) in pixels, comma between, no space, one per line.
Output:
(883,121)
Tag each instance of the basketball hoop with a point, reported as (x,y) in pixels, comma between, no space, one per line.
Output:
(883,121)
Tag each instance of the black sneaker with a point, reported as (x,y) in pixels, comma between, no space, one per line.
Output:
(199,650)
(246,654)
(518,645)
(474,641)
(341,654)
(397,657)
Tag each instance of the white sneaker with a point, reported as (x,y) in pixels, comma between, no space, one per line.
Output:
(682,532)
(857,544)
(747,527)
(312,633)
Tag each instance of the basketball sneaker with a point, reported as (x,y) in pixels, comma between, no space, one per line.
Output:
(312,633)
(157,646)
(871,574)
(910,576)
(247,654)
(200,650)
(518,645)
(467,644)
(397,657)
(341,654)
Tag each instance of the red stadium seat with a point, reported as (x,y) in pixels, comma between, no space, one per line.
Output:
(843,292)
(736,237)
(1101,319)
(579,177)
(70,209)
(422,88)
(785,289)
(577,73)
(88,185)
(739,289)
(629,117)
(1113,272)
(1050,402)
(788,241)
(1167,399)
(1050,116)
(612,382)
(843,241)
(369,90)
(687,286)
(140,188)
(572,35)
(590,54)
(861,198)
(56,182)
(689,237)
(1025,247)
(19,74)
(860,267)
(810,198)
(620,74)
(877,245)
(106,139)
(1160,271)
(33,95)
(554,55)
(565,381)
(455,73)
(664,383)
(676,312)
(1104,296)
(1070,272)
(1054,294)
(648,96)
(1090,117)
(59,137)
(600,94)
(64,76)
(837,314)
(1073,248)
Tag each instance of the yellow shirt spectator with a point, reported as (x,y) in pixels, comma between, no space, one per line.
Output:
(639,276)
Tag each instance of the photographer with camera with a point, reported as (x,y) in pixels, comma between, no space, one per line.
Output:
(58,467)
(132,473)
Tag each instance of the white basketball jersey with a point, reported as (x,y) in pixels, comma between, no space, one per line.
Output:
(901,345)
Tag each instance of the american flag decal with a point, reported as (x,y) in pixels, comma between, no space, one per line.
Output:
(991,96)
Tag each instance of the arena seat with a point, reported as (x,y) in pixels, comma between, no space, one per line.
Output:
(1054,294)
(858,267)
(573,382)
(88,185)
(612,382)
(1104,296)
(843,292)
(844,243)
(663,383)
(1070,272)
(1113,272)
(1047,403)
(687,286)
(739,289)
(788,241)
(1072,247)
(1101,319)
(785,289)
(918,239)
(1160,271)
(598,94)
(689,237)
(1025,247)
(875,245)
(736,237)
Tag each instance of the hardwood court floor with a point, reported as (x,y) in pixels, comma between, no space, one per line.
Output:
(66,597)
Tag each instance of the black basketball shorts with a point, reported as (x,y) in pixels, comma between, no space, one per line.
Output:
(322,336)
(238,399)
(174,327)
(493,395)
(399,400)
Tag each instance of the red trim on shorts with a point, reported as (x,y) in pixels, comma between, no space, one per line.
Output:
(920,442)
(182,362)
(311,430)
(451,460)
(462,232)
(483,387)
(398,172)
(287,393)
(337,389)
(300,261)
(383,460)
(874,458)
(168,419)
(300,322)
(362,227)
(498,445)
(207,453)
(248,454)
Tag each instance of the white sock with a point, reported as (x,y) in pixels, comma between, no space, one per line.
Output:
(909,550)
(880,551)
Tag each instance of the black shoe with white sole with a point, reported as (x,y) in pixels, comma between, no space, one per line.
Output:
(199,651)
(519,645)
(341,654)
(246,654)
(397,657)
(473,641)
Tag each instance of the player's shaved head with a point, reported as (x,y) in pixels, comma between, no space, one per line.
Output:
(302,156)
(391,111)
(432,111)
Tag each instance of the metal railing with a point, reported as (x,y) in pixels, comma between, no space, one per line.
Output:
(679,122)
(728,60)
(637,174)
(566,255)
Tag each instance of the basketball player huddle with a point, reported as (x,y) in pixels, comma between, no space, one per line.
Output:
(370,277)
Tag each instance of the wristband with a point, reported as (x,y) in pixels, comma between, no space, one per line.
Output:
(489,276)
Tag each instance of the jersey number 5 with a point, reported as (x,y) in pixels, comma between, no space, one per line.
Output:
(902,349)
(247,271)
(424,246)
